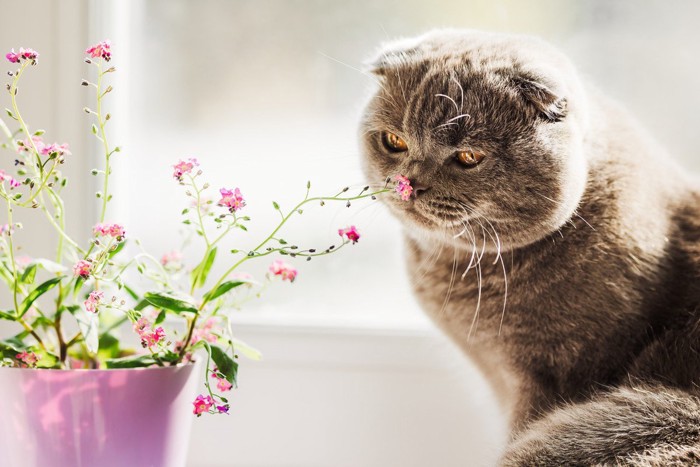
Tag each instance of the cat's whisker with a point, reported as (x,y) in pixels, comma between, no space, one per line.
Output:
(461,90)
(457,118)
(559,204)
(451,100)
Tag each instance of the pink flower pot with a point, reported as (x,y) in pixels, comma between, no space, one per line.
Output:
(84,418)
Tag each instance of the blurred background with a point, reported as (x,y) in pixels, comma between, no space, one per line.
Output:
(267,95)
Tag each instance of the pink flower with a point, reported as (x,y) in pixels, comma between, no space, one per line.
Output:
(172,260)
(351,233)
(29,144)
(285,270)
(222,408)
(403,187)
(82,268)
(12,56)
(28,54)
(233,200)
(112,230)
(28,359)
(23,261)
(202,404)
(6,229)
(184,167)
(101,50)
(13,182)
(149,337)
(222,384)
(93,300)
(141,325)
(205,332)
(54,148)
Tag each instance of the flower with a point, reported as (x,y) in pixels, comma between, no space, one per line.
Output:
(222,384)
(82,268)
(6,229)
(351,233)
(172,261)
(4,176)
(113,230)
(222,408)
(233,200)
(93,300)
(403,187)
(28,144)
(28,54)
(149,337)
(202,404)
(285,270)
(12,57)
(184,167)
(28,359)
(204,332)
(54,149)
(101,50)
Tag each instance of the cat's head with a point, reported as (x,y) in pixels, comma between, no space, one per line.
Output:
(489,130)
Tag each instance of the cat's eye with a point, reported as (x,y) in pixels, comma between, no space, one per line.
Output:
(470,158)
(393,142)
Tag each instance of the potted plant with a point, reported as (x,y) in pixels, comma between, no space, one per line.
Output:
(72,389)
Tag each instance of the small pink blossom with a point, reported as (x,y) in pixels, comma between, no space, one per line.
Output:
(233,200)
(172,260)
(222,384)
(12,57)
(14,183)
(28,54)
(28,359)
(202,404)
(23,261)
(184,167)
(6,229)
(351,233)
(101,50)
(54,148)
(29,144)
(4,176)
(284,270)
(149,337)
(222,408)
(82,268)
(205,331)
(93,300)
(403,187)
(112,230)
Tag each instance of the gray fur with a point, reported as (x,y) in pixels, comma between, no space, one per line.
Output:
(585,222)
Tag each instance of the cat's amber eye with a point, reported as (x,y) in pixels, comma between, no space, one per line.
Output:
(393,142)
(470,158)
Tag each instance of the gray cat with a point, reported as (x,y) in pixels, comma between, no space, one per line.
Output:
(551,239)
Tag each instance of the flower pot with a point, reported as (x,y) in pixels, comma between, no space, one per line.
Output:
(84,418)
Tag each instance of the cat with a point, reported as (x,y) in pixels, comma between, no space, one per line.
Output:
(551,239)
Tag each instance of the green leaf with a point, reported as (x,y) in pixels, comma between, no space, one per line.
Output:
(89,324)
(161,317)
(131,292)
(222,289)
(108,347)
(142,305)
(29,274)
(243,348)
(49,265)
(120,247)
(169,302)
(134,361)
(7,315)
(201,272)
(224,363)
(38,292)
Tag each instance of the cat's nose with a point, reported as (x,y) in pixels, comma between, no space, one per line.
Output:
(419,189)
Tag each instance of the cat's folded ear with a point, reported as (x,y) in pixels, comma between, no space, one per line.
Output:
(542,94)
(392,55)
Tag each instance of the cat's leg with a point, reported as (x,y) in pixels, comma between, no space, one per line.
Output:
(628,426)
